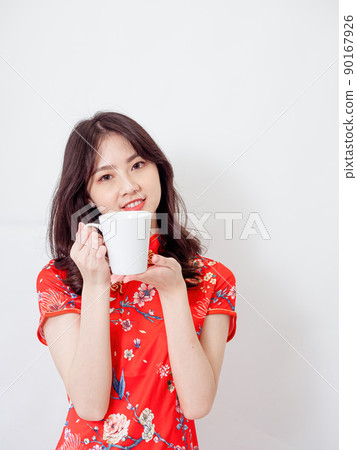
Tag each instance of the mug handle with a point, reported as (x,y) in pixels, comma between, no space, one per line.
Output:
(96,225)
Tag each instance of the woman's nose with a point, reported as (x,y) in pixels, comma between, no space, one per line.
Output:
(128,186)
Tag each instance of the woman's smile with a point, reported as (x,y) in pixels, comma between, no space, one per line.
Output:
(135,205)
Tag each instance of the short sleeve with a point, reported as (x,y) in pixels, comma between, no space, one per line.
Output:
(54,297)
(224,296)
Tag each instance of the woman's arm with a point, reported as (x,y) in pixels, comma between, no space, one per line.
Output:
(90,375)
(195,364)
(80,348)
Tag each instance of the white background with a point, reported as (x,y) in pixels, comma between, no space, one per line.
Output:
(208,80)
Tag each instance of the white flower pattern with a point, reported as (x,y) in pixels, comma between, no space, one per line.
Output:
(163,370)
(128,354)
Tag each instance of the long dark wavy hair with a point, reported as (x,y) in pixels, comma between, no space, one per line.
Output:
(71,203)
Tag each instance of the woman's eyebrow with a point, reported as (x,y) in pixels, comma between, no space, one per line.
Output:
(110,167)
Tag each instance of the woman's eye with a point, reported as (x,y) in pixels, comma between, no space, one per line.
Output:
(138,165)
(104,177)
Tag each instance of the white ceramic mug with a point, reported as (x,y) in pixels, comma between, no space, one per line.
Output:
(126,235)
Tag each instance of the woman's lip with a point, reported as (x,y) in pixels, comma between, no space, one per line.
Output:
(135,208)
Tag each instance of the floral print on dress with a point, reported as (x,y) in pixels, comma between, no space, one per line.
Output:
(144,294)
(126,324)
(200,309)
(128,354)
(232,292)
(146,418)
(52,301)
(54,297)
(116,428)
(144,410)
(163,370)
(72,442)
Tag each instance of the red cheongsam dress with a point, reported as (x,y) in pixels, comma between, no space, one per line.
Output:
(144,411)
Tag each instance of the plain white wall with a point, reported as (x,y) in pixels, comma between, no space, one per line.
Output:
(208,80)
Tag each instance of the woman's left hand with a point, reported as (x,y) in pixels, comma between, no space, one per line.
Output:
(165,275)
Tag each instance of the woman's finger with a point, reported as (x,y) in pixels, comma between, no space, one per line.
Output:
(145,277)
(101,252)
(91,244)
(159,260)
(138,277)
(79,240)
(94,240)
(83,236)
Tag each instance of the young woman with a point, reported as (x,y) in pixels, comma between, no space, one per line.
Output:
(139,355)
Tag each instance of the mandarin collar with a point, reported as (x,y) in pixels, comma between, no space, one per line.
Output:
(154,243)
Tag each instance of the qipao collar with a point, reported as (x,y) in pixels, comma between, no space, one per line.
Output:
(154,243)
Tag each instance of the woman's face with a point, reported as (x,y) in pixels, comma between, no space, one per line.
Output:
(130,180)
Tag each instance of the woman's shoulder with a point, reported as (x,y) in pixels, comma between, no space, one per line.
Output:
(208,268)
(50,267)
(49,274)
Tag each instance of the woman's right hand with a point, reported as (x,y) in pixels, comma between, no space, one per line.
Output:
(89,254)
